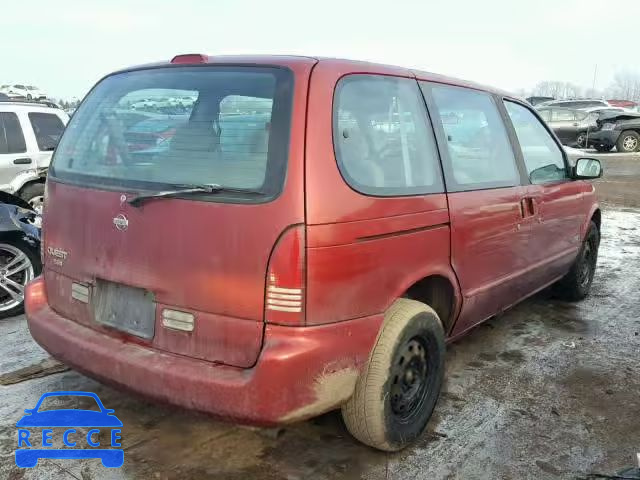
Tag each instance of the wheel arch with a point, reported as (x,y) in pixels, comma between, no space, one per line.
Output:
(439,290)
(28,183)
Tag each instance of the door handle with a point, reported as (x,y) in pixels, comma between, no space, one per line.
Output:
(527,207)
(22,161)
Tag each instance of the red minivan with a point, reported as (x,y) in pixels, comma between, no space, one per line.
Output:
(309,236)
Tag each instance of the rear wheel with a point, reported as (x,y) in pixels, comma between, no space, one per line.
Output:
(577,283)
(33,194)
(398,389)
(19,264)
(628,141)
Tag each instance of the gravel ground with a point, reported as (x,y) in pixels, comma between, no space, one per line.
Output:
(547,390)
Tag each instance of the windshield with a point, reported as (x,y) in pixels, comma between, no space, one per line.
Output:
(148,129)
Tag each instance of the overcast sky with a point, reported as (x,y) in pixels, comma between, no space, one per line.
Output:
(65,46)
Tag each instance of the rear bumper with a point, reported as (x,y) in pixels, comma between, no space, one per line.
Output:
(301,372)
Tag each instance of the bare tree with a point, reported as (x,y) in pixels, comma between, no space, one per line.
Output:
(625,86)
(556,89)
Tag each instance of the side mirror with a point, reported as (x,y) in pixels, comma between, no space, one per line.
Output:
(587,168)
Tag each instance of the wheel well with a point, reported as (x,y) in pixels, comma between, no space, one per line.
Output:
(32,182)
(437,292)
(27,185)
(597,218)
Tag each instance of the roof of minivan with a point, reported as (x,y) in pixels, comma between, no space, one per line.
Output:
(357,65)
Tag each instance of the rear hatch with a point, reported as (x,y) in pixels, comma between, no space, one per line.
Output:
(184,272)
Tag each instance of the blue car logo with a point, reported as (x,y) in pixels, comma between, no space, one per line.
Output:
(68,419)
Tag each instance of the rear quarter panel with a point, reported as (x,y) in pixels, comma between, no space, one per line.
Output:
(363,252)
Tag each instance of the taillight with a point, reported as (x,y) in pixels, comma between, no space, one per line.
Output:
(286,278)
(44,202)
(190,58)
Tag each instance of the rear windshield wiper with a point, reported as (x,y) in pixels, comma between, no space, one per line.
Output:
(181,190)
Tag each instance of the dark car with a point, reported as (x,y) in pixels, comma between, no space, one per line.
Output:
(620,130)
(19,252)
(570,125)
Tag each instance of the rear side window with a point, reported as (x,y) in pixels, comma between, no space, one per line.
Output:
(159,128)
(48,129)
(11,137)
(479,152)
(542,155)
(383,139)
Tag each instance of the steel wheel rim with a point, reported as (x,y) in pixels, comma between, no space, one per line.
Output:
(409,379)
(580,140)
(16,270)
(630,143)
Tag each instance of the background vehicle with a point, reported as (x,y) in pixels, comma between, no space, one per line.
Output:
(576,103)
(19,252)
(627,104)
(308,239)
(29,132)
(27,92)
(620,130)
(537,100)
(569,125)
(15,92)
(34,93)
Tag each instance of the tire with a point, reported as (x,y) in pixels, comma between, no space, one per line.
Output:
(33,194)
(603,148)
(581,140)
(577,283)
(628,141)
(29,97)
(33,267)
(376,414)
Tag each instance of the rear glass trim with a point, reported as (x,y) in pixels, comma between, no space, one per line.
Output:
(279,145)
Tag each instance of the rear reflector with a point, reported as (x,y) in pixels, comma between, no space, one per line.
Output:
(80,292)
(177,320)
(190,58)
(284,298)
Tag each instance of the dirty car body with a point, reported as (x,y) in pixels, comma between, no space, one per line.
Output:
(261,297)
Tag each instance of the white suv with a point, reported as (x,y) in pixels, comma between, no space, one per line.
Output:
(29,133)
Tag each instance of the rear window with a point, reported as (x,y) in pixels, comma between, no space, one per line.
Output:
(48,129)
(156,128)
